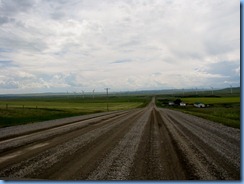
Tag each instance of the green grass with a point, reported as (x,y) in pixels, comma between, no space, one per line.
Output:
(34,109)
(212,100)
(224,110)
(15,116)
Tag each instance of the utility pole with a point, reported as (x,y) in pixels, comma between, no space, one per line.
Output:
(107,97)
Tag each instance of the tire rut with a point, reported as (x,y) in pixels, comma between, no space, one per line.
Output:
(33,166)
(160,158)
(87,158)
(209,156)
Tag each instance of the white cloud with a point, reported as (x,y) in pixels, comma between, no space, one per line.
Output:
(59,45)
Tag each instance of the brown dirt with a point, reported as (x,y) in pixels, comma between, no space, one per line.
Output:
(141,144)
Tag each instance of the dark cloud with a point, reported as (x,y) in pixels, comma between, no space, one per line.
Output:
(5,20)
(224,68)
(5,50)
(19,43)
(11,84)
(57,15)
(11,7)
(121,61)
(7,64)
(5,61)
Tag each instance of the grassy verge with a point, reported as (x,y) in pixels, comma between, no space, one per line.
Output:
(16,116)
(224,110)
(34,109)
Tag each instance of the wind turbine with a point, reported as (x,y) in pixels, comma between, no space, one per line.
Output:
(231,89)
(107,96)
(212,89)
(93,92)
(83,94)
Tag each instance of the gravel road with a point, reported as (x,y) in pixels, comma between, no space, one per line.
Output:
(141,144)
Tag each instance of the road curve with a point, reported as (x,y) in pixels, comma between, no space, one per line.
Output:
(141,144)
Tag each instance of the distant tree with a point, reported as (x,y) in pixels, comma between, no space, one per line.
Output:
(177,101)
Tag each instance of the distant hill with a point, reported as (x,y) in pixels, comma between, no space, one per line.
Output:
(235,90)
(169,92)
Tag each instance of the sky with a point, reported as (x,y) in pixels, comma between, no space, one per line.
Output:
(125,45)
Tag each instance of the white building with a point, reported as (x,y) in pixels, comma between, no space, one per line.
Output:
(199,104)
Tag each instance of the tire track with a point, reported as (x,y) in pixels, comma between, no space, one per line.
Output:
(211,156)
(53,131)
(33,166)
(161,161)
(116,165)
(87,158)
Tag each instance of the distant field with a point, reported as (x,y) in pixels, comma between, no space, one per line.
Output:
(225,110)
(14,111)
(212,100)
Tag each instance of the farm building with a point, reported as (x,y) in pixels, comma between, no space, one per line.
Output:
(199,104)
(183,104)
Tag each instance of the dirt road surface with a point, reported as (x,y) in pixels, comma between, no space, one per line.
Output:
(140,144)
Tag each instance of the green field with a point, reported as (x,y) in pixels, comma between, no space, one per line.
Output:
(225,110)
(213,100)
(22,110)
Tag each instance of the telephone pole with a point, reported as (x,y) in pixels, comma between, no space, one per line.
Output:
(107,97)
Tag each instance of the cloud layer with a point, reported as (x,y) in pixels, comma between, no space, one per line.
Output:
(124,44)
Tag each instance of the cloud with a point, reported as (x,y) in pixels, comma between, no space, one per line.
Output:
(124,44)
(121,61)
(4,20)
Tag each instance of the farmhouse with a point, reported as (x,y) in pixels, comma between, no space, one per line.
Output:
(199,104)
(183,104)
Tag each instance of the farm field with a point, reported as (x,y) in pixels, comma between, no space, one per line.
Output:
(16,111)
(224,110)
(213,100)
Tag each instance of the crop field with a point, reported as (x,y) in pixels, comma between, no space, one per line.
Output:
(224,110)
(213,100)
(14,111)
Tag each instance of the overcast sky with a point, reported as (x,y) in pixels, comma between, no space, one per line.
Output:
(74,45)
